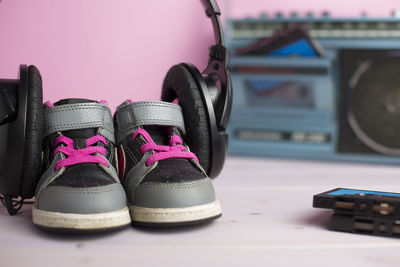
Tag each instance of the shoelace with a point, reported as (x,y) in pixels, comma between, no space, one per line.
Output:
(174,150)
(84,155)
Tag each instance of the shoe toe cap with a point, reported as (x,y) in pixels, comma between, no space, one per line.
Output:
(173,195)
(86,200)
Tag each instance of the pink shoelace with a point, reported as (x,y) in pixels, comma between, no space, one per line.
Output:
(84,155)
(174,150)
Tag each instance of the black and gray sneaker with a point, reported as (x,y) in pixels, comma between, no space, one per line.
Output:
(163,180)
(80,189)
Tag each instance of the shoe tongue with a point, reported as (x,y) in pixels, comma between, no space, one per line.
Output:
(159,134)
(80,135)
(73,101)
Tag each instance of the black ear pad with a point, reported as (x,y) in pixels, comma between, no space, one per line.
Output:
(179,83)
(31,168)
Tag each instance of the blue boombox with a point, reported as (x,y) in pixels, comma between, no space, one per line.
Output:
(342,104)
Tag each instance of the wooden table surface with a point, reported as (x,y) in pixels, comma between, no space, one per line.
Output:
(268,220)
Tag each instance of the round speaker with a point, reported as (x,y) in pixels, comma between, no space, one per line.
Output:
(374,104)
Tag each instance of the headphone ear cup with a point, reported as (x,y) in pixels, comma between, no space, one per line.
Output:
(31,168)
(180,84)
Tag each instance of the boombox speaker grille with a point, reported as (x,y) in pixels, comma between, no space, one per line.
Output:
(374,103)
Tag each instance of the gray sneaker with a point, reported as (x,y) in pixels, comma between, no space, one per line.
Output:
(80,189)
(163,180)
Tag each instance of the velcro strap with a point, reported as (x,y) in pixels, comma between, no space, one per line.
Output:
(79,116)
(133,115)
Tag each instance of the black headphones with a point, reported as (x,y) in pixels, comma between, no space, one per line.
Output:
(205,98)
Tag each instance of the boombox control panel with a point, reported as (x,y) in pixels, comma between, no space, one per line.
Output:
(323,26)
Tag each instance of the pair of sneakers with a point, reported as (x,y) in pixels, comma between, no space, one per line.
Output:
(95,178)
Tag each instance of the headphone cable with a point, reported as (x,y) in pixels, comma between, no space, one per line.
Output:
(13,205)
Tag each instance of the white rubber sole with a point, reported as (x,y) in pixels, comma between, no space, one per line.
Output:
(96,221)
(175,215)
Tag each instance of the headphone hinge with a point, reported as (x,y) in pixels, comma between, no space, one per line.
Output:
(218,52)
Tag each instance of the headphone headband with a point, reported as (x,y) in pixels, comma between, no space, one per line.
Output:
(213,12)
(218,64)
(211,7)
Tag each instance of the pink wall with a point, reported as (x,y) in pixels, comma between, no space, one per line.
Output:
(120,49)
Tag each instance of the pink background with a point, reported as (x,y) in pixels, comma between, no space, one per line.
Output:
(114,50)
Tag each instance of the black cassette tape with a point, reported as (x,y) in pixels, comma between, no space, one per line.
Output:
(365,225)
(363,203)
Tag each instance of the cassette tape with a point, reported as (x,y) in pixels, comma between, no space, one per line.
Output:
(365,225)
(362,203)
(293,41)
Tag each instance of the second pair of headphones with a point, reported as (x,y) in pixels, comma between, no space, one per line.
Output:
(205,97)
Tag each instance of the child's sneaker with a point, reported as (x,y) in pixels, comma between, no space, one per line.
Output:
(80,189)
(164,183)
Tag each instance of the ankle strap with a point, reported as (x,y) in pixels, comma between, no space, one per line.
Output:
(79,116)
(130,116)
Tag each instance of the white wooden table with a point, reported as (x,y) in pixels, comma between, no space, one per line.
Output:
(268,220)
